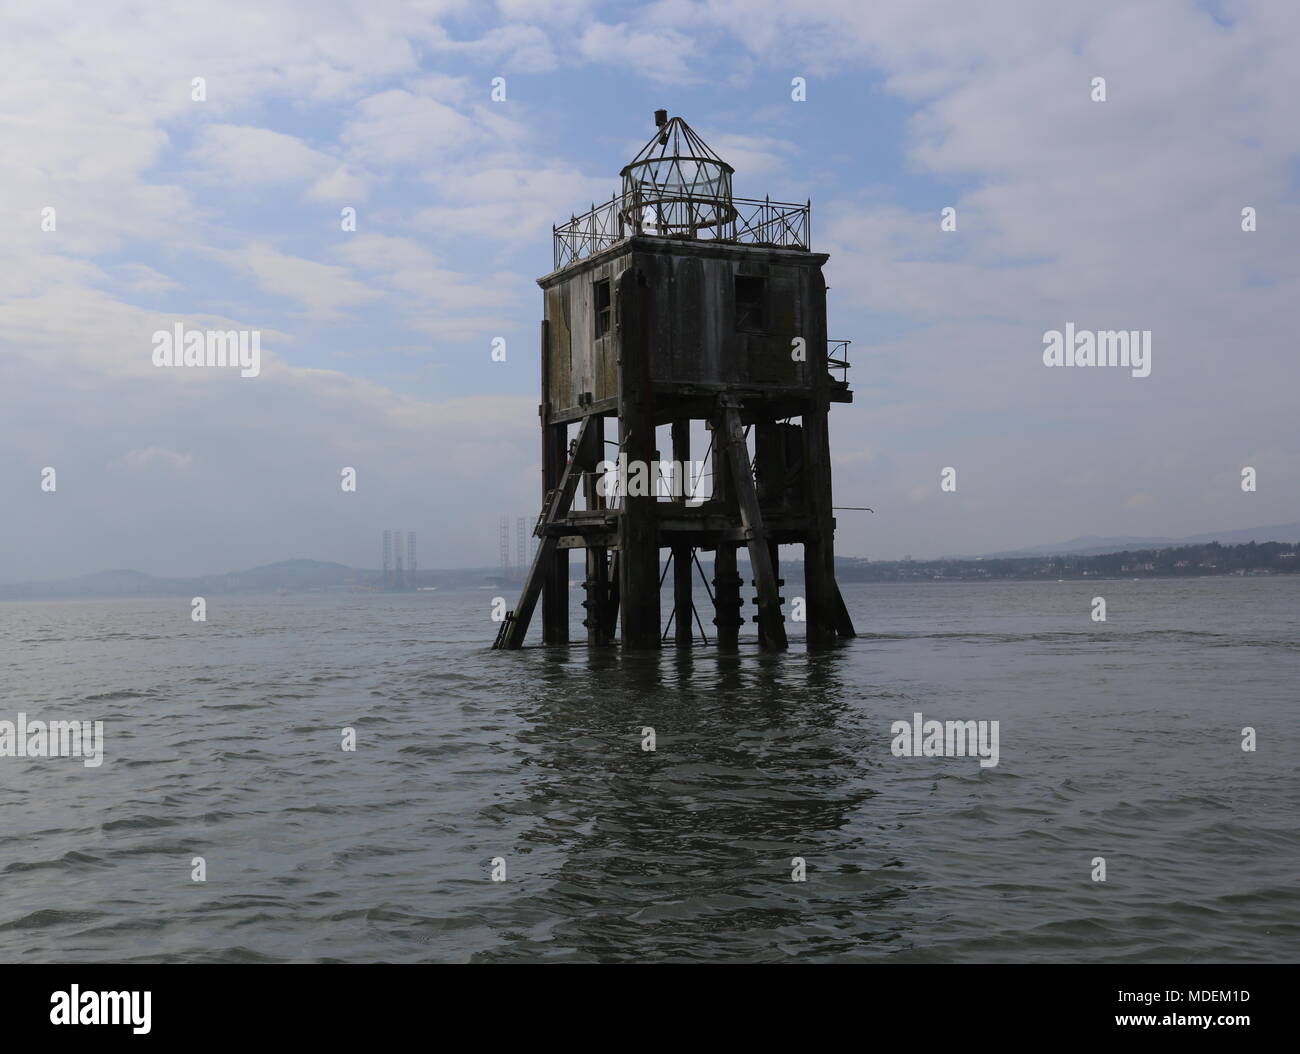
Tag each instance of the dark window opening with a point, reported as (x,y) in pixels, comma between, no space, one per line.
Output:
(749,303)
(601,302)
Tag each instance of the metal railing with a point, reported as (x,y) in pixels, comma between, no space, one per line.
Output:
(750,221)
(837,358)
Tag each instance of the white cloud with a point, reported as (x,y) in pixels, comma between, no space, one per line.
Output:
(153,457)
(433,298)
(753,155)
(661,54)
(141,278)
(322,288)
(242,154)
(511,48)
(397,127)
(559,12)
(508,199)
(342,184)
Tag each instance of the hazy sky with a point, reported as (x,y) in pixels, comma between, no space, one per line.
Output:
(225,213)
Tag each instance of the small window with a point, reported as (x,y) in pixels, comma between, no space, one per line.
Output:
(600,300)
(749,303)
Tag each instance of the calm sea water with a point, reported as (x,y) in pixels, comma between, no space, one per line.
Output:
(1120,740)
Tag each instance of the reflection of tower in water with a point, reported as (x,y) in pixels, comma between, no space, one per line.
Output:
(643,851)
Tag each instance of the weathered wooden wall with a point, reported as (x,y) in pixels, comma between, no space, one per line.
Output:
(692,331)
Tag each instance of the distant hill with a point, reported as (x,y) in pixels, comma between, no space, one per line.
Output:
(1092,545)
(296,574)
(283,576)
(314,576)
(288,575)
(117,579)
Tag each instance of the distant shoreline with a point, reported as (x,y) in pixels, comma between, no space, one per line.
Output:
(1209,560)
(297,577)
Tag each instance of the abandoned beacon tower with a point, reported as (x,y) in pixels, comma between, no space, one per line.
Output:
(675,302)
